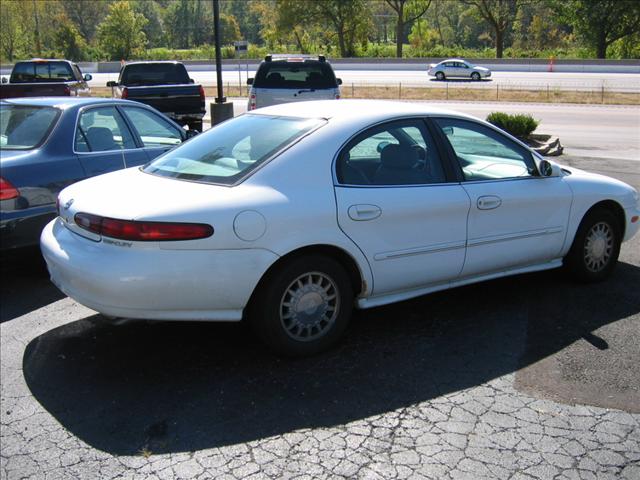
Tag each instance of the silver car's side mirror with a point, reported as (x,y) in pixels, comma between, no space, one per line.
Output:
(4,80)
(549,169)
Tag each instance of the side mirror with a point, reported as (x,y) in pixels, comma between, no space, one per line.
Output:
(249,81)
(191,80)
(112,84)
(549,169)
(381,146)
(339,80)
(4,80)
(447,131)
(87,77)
(191,133)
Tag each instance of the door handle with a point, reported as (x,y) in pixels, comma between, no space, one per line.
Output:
(363,212)
(489,202)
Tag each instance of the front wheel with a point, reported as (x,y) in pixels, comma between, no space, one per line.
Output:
(596,246)
(475,76)
(304,307)
(439,76)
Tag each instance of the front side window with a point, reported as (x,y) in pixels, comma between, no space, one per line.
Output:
(483,153)
(229,151)
(396,153)
(153,130)
(102,129)
(24,127)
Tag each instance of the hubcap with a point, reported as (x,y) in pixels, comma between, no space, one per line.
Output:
(598,247)
(309,306)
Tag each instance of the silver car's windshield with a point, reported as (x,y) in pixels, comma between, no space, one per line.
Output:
(232,149)
(24,127)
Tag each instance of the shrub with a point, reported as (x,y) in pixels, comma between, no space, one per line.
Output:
(519,125)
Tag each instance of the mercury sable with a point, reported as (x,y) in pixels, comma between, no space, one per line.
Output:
(290,216)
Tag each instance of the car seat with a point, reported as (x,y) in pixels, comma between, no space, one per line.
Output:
(397,164)
(101,139)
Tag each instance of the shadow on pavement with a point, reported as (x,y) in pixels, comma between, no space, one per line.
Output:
(24,285)
(174,387)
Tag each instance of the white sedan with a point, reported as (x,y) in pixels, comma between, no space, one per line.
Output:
(455,67)
(291,215)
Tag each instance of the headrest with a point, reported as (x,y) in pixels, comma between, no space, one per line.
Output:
(396,156)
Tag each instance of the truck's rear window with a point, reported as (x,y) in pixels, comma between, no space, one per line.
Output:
(23,127)
(25,72)
(154,74)
(279,74)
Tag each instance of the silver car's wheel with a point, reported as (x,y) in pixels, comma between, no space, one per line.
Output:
(309,306)
(475,76)
(302,306)
(439,76)
(598,247)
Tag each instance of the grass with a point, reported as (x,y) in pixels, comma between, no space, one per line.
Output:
(454,92)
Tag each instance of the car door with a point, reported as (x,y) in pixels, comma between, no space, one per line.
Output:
(517,217)
(104,143)
(156,133)
(396,200)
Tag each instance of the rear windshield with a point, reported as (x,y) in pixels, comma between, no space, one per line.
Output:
(41,72)
(154,74)
(25,127)
(229,151)
(295,75)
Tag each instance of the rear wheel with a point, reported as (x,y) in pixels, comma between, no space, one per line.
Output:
(439,76)
(596,246)
(475,76)
(304,307)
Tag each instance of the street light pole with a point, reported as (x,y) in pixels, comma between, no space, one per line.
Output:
(216,22)
(221,110)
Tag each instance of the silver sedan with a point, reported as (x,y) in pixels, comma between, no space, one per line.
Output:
(454,67)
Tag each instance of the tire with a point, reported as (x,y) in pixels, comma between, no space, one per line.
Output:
(440,76)
(594,253)
(317,282)
(196,125)
(475,76)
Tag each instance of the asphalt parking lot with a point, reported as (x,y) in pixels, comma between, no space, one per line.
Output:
(526,377)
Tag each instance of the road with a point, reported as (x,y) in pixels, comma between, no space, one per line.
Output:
(603,131)
(623,82)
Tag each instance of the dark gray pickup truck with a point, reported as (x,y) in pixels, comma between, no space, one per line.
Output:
(165,86)
(45,78)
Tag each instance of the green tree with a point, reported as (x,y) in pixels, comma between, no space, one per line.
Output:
(11,31)
(407,11)
(601,22)
(87,15)
(120,35)
(499,14)
(154,29)
(67,39)
(350,21)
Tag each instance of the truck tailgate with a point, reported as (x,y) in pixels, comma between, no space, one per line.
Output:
(169,98)
(53,89)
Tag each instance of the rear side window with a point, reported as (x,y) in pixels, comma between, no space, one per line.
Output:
(25,127)
(154,74)
(295,75)
(102,129)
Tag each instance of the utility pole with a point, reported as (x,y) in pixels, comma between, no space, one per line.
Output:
(221,110)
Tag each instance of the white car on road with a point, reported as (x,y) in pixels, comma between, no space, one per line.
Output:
(455,67)
(291,215)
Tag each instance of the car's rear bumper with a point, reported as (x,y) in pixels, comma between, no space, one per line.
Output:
(149,282)
(22,228)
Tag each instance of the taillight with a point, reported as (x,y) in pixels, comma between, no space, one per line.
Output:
(202,96)
(125,93)
(252,102)
(67,90)
(7,191)
(337,96)
(142,231)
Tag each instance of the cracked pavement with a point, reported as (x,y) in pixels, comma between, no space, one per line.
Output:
(529,377)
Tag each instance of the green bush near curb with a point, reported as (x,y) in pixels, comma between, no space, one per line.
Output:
(518,125)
